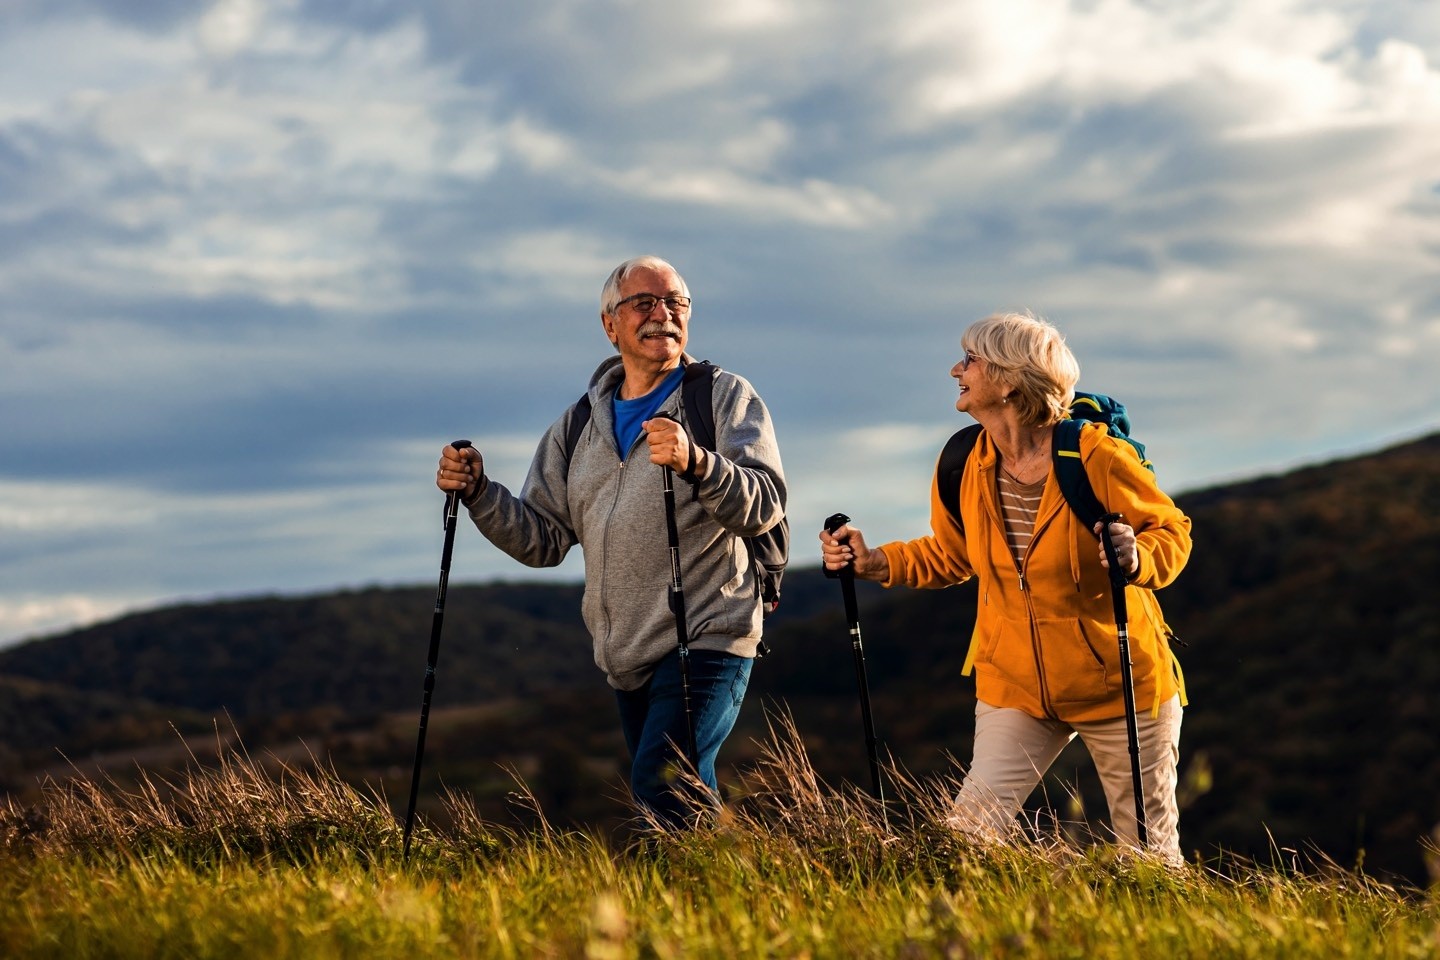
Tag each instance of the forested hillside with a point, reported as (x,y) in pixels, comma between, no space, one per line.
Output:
(1309,611)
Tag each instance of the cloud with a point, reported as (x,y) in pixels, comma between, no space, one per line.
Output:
(259,259)
(230,27)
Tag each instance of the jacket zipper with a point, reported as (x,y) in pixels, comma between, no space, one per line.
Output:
(605,549)
(605,562)
(1042,686)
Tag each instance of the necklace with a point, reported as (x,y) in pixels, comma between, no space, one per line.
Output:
(1027,470)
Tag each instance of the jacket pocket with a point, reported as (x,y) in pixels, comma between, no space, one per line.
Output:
(1008,652)
(1079,667)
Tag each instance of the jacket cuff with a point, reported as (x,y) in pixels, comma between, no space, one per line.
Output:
(688,474)
(474,497)
(1139,568)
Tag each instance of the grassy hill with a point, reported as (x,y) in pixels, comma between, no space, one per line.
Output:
(1308,608)
(233,860)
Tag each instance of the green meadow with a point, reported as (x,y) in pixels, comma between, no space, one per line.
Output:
(244,858)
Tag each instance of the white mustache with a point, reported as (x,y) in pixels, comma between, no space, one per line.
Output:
(657,327)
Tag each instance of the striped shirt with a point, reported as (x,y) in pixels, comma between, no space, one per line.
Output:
(1019,503)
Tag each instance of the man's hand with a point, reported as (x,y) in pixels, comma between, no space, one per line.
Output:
(460,470)
(670,445)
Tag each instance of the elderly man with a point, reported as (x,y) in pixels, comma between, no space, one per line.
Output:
(607,495)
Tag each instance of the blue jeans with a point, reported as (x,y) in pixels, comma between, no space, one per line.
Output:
(653,718)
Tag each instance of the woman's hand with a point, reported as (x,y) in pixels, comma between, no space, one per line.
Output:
(847,546)
(1123,536)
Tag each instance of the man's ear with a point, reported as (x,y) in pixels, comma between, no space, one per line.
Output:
(609,326)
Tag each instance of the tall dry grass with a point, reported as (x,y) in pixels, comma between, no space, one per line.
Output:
(243,858)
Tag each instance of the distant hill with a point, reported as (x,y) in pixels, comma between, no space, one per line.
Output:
(1309,609)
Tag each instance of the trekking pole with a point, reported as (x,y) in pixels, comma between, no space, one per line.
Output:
(452,506)
(1127,679)
(846,576)
(677,606)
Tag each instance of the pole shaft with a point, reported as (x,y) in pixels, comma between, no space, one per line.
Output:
(677,605)
(852,616)
(452,511)
(1127,678)
(872,751)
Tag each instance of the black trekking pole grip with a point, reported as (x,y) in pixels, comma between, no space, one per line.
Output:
(452,509)
(1117,576)
(846,574)
(452,506)
(1118,582)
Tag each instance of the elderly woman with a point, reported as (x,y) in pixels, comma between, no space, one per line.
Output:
(1045,649)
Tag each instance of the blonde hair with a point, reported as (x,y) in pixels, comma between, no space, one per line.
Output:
(1027,353)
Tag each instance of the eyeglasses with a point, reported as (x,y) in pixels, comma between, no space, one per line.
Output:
(968,359)
(645,303)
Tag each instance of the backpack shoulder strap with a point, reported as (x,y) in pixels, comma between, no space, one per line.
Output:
(1065,453)
(770,551)
(579,416)
(1070,471)
(951,468)
(700,414)
(695,390)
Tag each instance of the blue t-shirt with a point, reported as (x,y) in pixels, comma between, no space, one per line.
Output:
(629,414)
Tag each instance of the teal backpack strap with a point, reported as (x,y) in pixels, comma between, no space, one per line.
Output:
(1070,471)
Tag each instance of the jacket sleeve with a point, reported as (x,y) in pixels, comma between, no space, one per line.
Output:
(744,484)
(940,560)
(1125,486)
(535,527)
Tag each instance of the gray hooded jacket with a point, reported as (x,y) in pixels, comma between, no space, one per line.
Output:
(615,509)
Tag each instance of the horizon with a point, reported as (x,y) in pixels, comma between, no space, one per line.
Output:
(558,576)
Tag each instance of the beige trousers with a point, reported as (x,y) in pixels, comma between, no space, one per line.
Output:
(1013,750)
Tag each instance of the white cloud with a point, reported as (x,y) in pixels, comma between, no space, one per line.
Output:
(42,509)
(747,15)
(555,264)
(540,148)
(230,26)
(1273,327)
(811,201)
(27,615)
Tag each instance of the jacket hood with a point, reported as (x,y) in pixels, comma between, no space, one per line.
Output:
(611,373)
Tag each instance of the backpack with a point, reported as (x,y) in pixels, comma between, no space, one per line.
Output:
(770,551)
(1064,452)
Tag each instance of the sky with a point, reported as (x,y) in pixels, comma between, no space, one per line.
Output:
(261,259)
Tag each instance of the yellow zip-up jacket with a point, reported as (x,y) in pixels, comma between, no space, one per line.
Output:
(1045,638)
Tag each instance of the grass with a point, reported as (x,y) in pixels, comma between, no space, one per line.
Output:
(244,859)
